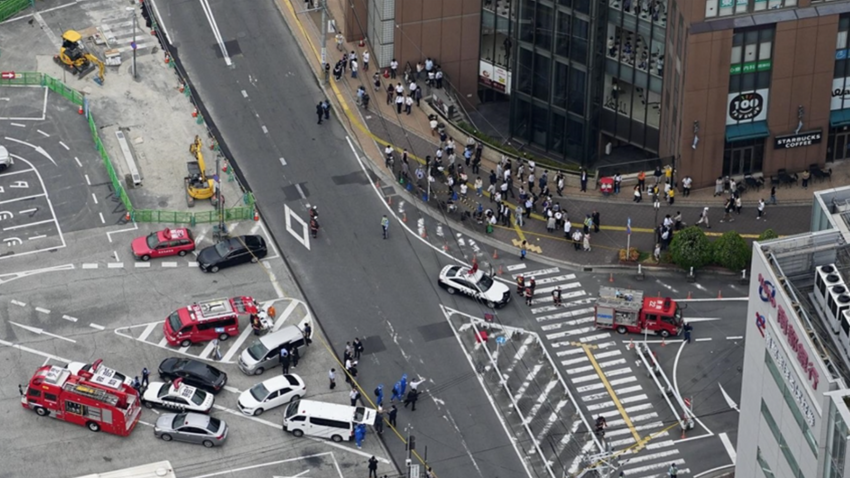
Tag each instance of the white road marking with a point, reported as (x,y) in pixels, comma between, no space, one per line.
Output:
(27,211)
(34,351)
(102,220)
(735,337)
(142,265)
(517,267)
(304,236)
(114,265)
(727,299)
(148,329)
(69,318)
(65,146)
(244,94)
(536,273)
(89,265)
(168,264)
(94,197)
(19,125)
(21,226)
(78,161)
(19,303)
(282,161)
(42,310)
(43,133)
(39,331)
(300,191)
(214,26)
(88,181)
(265,130)
(98,327)
(42,236)
(704,339)
(232,389)
(115,255)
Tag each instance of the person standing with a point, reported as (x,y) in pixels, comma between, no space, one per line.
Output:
(379,421)
(366,60)
(577,239)
(332,378)
(408,104)
(618,180)
(805,176)
(320,112)
(688,328)
(772,195)
(145,377)
(718,186)
(354,68)
(586,244)
(523,250)
(308,334)
(393,68)
(761,209)
(529,295)
(284,360)
(738,204)
(588,223)
(638,195)
(671,196)
(641,181)
(392,415)
(373,466)
(353,395)
(137,384)
(340,39)
(595,218)
(583,180)
(399,102)
(326,108)
(673,471)
(412,397)
(294,356)
(358,348)
(686,186)
(379,395)
(385,225)
(556,296)
(559,179)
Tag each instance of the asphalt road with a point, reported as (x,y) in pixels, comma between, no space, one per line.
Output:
(357,284)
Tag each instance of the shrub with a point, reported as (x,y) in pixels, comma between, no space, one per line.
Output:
(768,234)
(731,251)
(690,248)
(633,254)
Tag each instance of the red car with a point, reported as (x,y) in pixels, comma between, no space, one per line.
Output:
(167,242)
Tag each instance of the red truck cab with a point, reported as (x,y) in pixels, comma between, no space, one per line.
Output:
(207,320)
(626,310)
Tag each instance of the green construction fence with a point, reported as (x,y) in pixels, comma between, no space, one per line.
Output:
(10,8)
(138,215)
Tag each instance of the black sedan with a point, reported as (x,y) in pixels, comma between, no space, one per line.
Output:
(231,252)
(193,372)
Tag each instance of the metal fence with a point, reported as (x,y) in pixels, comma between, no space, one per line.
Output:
(9,8)
(137,215)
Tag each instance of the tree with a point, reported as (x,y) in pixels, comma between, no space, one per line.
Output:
(768,234)
(690,248)
(731,251)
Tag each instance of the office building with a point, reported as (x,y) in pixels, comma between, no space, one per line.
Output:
(794,398)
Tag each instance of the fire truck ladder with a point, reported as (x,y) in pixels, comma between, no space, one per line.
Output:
(91,392)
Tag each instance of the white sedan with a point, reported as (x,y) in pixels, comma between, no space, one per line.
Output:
(271,393)
(178,397)
(475,284)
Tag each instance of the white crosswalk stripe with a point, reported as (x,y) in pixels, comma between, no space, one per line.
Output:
(567,329)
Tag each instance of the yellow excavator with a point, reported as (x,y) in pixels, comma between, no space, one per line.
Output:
(74,57)
(198,185)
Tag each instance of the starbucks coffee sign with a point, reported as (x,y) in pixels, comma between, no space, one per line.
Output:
(790,141)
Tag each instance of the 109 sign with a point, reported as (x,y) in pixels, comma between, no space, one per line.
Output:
(746,106)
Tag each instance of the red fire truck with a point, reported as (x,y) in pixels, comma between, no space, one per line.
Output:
(208,320)
(92,398)
(627,310)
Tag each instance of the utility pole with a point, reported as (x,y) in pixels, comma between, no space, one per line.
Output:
(325,71)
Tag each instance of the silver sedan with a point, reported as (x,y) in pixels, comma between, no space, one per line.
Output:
(192,428)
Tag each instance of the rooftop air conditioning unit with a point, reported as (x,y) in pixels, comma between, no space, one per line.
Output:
(837,302)
(825,276)
(844,334)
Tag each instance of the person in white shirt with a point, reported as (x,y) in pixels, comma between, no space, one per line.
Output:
(761,209)
(412,88)
(567,227)
(686,185)
(408,104)
(393,68)
(365,61)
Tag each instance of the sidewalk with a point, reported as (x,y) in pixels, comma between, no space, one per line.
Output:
(381,125)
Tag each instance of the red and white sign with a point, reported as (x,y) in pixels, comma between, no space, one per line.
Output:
(8,75)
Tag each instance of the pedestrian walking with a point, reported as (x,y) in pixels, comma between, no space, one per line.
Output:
(216,349)
(588,223)
(532,283)
(393,68)
(414,384)
(320,112)
(340,39)
(556,296)
(772,195)
(561,182)
(528,296)
(392,415)
(373,467)
(595,218)
(332,378)
(354,68)
(641,181)
(718,186)
(586,243)
(353,395)
(326,108)
(358,348)
(577,239)
(308,334)
(145,377)
(379,394)
(673,471)
(314,228)
(686,185)
(412,397)
(385,226)
(637,194)
(583,179)
(656,254)
(727,210)
(688,328)
(359,434)
(137,384)
(523,250)
(399,102)
(403,383)
(703,218)
(739,204)
(761,209)
(671,196)
(379,421)
(520,284)
(397,393)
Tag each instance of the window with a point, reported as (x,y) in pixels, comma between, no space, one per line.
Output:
(836,444)
(50,397)
(774,429)
(562,35)
(579,47)
(544,24)
(791,403)
(324,422)
(299,418)
(724,8)
(32,392)
(763,465)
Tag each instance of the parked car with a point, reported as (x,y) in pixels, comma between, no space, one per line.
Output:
(6,160)
(232,252)
(164,243)
(191,428)
(476,284)
(193,372)
(271,393)
(177,396)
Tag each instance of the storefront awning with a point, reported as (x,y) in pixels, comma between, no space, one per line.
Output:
(839,118)
(742,131)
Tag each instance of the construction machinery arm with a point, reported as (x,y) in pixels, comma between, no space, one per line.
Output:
(100,68)
(197,151)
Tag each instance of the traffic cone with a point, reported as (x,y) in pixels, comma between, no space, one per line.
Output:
(182,86)
(256,215)
(500,270)
(424,233)
(495,254)
(404,217)
(167,59)
(611,277)
(631,344)
(719,295)
(362,42)
(663,343)
(195,113)
(224,168)
(80,110)
(127,216)
(446,246)
(689,295)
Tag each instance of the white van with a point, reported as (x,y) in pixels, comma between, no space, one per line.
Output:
(326,420)
(264,353)
(6,161)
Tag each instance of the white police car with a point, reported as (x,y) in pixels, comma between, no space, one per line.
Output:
(177,396)
(475,284)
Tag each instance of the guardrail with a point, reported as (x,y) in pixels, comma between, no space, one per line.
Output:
(137,215)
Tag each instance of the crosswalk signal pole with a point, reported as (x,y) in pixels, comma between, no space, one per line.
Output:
(325,71)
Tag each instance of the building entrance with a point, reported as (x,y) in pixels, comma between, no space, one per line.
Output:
(839,144)
(743,157)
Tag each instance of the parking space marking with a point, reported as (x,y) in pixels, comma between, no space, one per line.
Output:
(115,265)
(42,310)
(19,125)
(88,181)
(89,265)
(78,161)
(98,327)
(102,221)
(65,146)
(39,331)
(142,265)
(19,303)
(23,198)
(94,197)
(43,133)
(27,211)
(21,226)
(169,264)
(148,331)
(34,351)
(69,318)
(42,236)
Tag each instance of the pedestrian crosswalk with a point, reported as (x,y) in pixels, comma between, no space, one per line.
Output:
(116,29)
(293,312)
(602,373)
